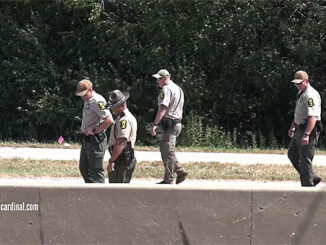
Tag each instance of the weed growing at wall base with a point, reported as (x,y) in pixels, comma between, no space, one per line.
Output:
(198,134)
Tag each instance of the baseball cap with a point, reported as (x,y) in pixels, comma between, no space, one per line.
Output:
(299,76)
(162,73)
(83,86)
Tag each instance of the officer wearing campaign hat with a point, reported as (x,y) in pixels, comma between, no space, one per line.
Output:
(122,139)
(96,119)
(305,129)
(168,118)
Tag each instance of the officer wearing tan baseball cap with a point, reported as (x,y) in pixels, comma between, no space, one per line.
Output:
(168,118)
(300,76)
(96,119)
(83,87)
(305,129)
(162,73)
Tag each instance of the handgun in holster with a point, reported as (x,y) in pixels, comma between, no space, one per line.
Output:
(128,152)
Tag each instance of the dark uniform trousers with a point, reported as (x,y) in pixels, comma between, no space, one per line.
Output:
(91,158)
(123,170)
(301,156)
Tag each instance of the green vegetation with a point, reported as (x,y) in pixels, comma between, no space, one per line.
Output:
(233,58)
(36,168)
(198,134)
(147,170)
(156,148)
(35,144)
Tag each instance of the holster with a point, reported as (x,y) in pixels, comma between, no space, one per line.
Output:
(317,129)
(168,122)
(127,154)
(95,139)
(319,126)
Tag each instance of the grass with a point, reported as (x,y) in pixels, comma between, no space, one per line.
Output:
(152,148)
(38,168)
(149,170)
(38,144)
(200,170)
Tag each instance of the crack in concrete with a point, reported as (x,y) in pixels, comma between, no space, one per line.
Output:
(251,210)
(40,217)
(277,201)
(183,233)
(248,217)
(182,230)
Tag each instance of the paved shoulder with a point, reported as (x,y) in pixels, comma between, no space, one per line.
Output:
(183,157)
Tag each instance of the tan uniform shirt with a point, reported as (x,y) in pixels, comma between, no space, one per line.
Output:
(172,97)
(308,104)
(94,112)
(124,126)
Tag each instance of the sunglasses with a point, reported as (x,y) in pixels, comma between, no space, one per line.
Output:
(297,84)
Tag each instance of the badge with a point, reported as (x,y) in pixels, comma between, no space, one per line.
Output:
(87,107)
(101,105)
(123,124)
(162,95)
(311,102)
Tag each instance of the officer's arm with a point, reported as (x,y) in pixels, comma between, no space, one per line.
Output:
(103,125)
(310,126)
(160,114)
(118,148)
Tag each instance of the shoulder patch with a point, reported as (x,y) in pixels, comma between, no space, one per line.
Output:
(162,95)
(311,102)
(123,124)
(101,105)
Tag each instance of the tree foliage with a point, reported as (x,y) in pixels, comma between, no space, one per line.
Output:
(233,58)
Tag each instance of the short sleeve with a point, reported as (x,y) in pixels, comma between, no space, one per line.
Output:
(313,108)
(100,109)
(165,96)
(123,128)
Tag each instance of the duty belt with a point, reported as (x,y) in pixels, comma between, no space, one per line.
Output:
(318,126)
(174,119)
(128,153)
(301,126)
(96,137)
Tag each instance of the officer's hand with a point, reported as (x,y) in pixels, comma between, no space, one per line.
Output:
(154,130)
(88,131)
(111,167)
(305,140)
(291,132)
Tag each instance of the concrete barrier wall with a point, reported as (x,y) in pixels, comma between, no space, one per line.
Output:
(126,214)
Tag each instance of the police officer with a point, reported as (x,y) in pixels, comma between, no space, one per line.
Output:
(168,117)
(96,119)
(305,129)
(122,139)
